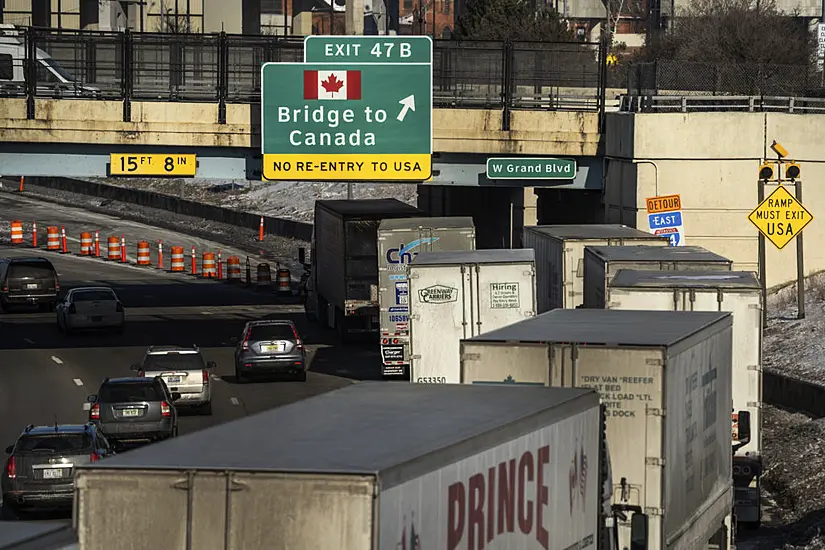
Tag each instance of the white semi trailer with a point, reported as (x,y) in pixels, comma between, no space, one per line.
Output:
(560,257)
(740,293)
(373,466)
(665,380)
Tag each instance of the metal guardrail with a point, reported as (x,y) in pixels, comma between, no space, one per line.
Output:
(720,103)
(225,69)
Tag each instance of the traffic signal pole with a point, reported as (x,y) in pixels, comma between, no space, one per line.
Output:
(800,262)
(760,184)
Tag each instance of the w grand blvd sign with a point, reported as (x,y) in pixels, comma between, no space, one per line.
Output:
(347,122)
(780,217)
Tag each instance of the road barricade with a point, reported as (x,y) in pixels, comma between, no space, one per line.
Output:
(143,253)
(113,249)
(178,263)
(86,244)
(52,238)
(208,265)
(16,232)
(284,281)
(264,279)
(233,269)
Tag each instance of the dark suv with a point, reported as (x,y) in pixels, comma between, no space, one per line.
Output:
(39,473)
(131,410)
(270,347)
(31,281)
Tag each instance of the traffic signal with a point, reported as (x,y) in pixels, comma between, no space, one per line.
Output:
(768,171)
(792,171)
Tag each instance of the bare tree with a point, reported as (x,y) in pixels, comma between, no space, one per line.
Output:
(511,20)
(617,10)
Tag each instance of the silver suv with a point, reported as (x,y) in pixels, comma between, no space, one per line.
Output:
(184,371)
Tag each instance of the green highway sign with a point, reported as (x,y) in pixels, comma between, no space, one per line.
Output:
(368,49)
(523,168)
(346,122)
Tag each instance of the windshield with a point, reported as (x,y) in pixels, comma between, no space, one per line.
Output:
(35,271)
(271,332)
(174,361)
(57,68)
(129,393)
(93,295)
(54,443)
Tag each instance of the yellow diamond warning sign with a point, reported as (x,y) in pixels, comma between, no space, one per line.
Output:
(780,217)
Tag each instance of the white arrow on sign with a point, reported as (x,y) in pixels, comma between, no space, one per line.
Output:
(408,104)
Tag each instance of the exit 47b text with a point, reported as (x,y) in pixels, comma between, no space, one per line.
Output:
(380,49)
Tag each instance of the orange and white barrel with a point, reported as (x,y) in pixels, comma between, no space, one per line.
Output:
(86,243)
(177,259)
(53,238)
(113,249)
(284,281)
(233,269)
(16,232)
(208,265)
(143,253)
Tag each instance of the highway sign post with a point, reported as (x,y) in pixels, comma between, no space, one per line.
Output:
(523,168)
(163,165)
(664,216)
(346,122)
(780,217)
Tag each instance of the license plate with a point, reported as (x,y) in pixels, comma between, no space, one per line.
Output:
(53,473)
(131,412)
(32,286)
(270,349)
(96,319)
(173,379)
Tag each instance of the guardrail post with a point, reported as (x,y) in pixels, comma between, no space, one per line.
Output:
(223,76)
(127,77)
(31,72)
(507,84)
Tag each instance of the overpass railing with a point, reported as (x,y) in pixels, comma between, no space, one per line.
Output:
(224,69)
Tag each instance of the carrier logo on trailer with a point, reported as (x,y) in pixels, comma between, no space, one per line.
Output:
(404,253)
(414,540)
(438,294)
(578,479)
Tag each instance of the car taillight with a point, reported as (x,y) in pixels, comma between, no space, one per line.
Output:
(205,375)
(56,284)
(6,288)
(298,343)
(119,307)
(141,374)
(165,409)
(11,468)
(72,309)
(93,457)
(395,340)
(246,340)
(94,412)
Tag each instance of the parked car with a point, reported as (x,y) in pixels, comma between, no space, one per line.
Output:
(270,347)
(28,280)
(130,410)
(90,307)
(39,473)
(184,371)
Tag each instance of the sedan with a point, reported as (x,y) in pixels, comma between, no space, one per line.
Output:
(90,307)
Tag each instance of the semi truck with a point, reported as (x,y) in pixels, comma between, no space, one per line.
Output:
(342,287)
(560,257)
(400,240)
(740,293)
(665,381)
(460,294)
(601,263)
(367,467)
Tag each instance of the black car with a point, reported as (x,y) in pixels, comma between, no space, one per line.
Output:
(28,281)
(131,410)
(270,347)
(39,473)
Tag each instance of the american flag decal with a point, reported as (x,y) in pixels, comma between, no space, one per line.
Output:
(583,475)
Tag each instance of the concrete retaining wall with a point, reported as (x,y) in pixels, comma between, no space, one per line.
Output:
(272,226)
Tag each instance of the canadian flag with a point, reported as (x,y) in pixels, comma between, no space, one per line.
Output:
(332,84)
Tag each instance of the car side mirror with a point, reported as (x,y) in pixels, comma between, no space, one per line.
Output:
(175,396)
(92,398)
(302,255)
(741,432)
(9,449)
(638,532)
(135,367)
(211,365)
(87,407)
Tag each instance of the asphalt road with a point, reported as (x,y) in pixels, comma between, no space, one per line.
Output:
(46,376)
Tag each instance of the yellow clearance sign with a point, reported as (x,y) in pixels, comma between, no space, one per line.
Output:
(780,217)
(121,164)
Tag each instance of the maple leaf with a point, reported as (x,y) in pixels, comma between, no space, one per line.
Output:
(332,84)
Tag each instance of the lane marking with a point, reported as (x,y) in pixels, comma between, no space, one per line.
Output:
(234,400)
(57,360)
(28,341)
(77,381)
(206,313)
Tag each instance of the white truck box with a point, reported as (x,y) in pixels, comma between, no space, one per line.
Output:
(665,379)
(601,263)
(400,240)
(740,293)
(457,295)
(560,257)
(372,466)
